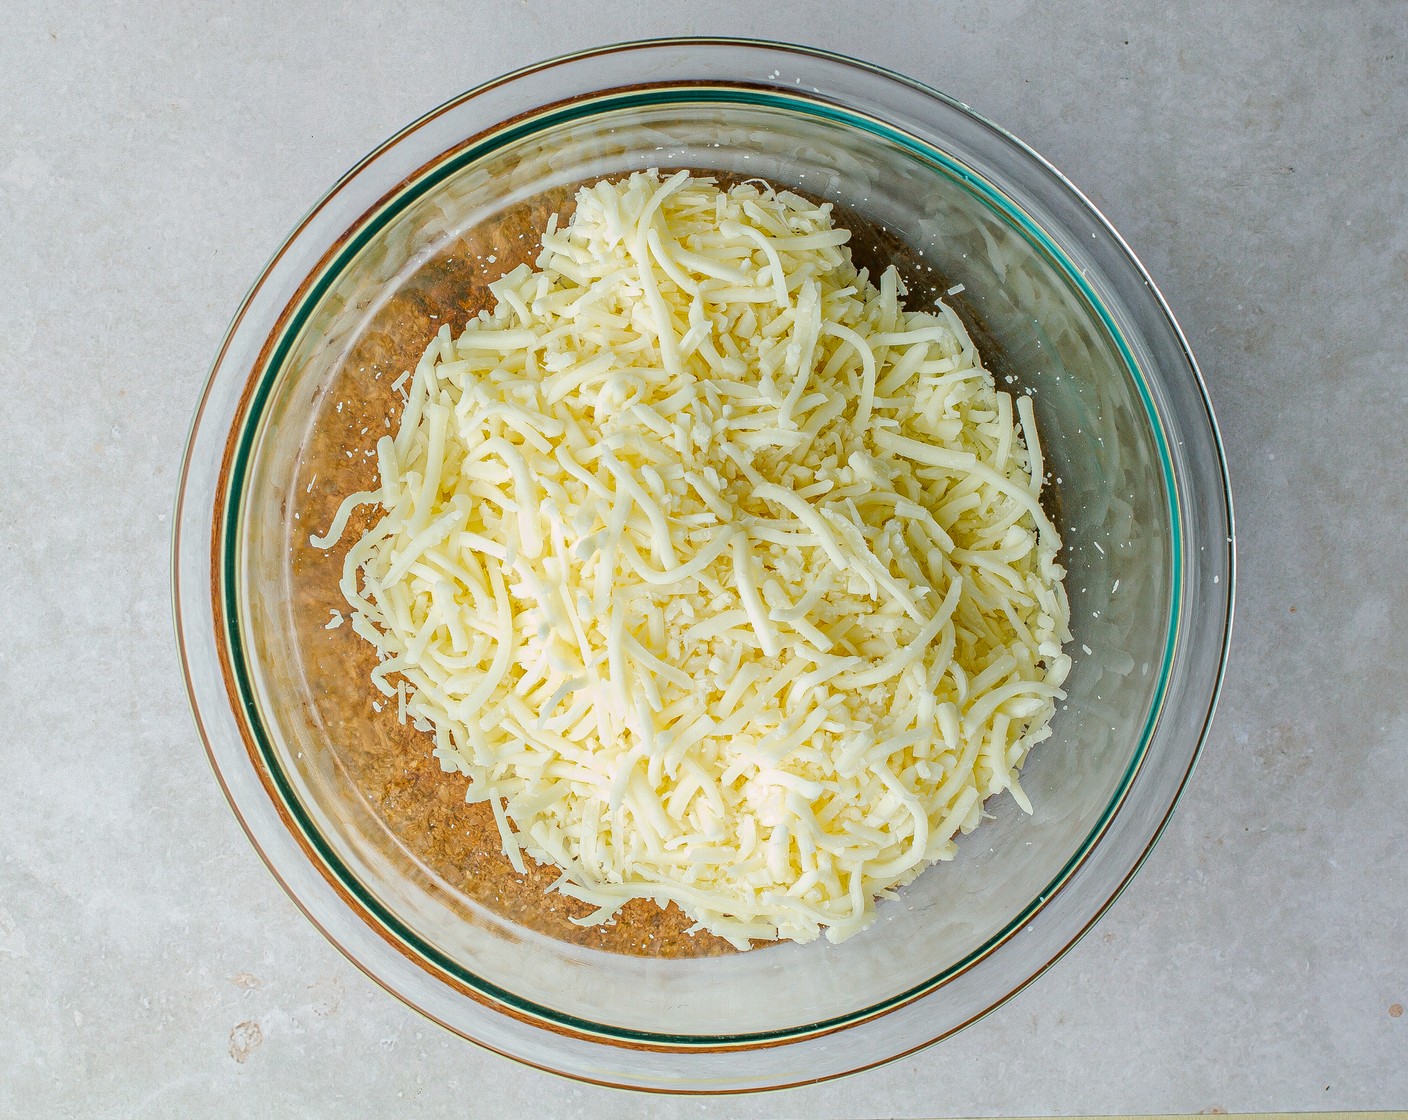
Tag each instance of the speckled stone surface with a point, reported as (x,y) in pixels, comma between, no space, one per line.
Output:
(152,155)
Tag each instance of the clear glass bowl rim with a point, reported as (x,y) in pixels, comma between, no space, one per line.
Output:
(263,374)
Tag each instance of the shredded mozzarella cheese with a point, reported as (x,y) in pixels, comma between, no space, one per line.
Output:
(722,576)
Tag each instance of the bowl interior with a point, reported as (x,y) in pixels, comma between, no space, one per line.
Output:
(362,789)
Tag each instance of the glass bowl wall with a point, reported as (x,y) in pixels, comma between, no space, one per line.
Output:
(1059,308)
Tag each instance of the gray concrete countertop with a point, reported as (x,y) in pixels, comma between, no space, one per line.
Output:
(152,155)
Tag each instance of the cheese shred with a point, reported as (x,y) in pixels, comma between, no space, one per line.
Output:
(724,578)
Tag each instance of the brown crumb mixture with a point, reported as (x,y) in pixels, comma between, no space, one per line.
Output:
(390,764)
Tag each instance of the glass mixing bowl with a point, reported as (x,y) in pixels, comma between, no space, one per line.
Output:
(302,388)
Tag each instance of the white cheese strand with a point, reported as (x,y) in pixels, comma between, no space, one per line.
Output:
(724,578)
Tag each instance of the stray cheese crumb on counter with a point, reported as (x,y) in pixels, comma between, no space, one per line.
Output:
(724,578)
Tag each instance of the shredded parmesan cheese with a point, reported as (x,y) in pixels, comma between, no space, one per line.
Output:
(723,577)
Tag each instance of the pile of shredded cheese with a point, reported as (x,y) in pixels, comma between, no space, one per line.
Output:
(722,576)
